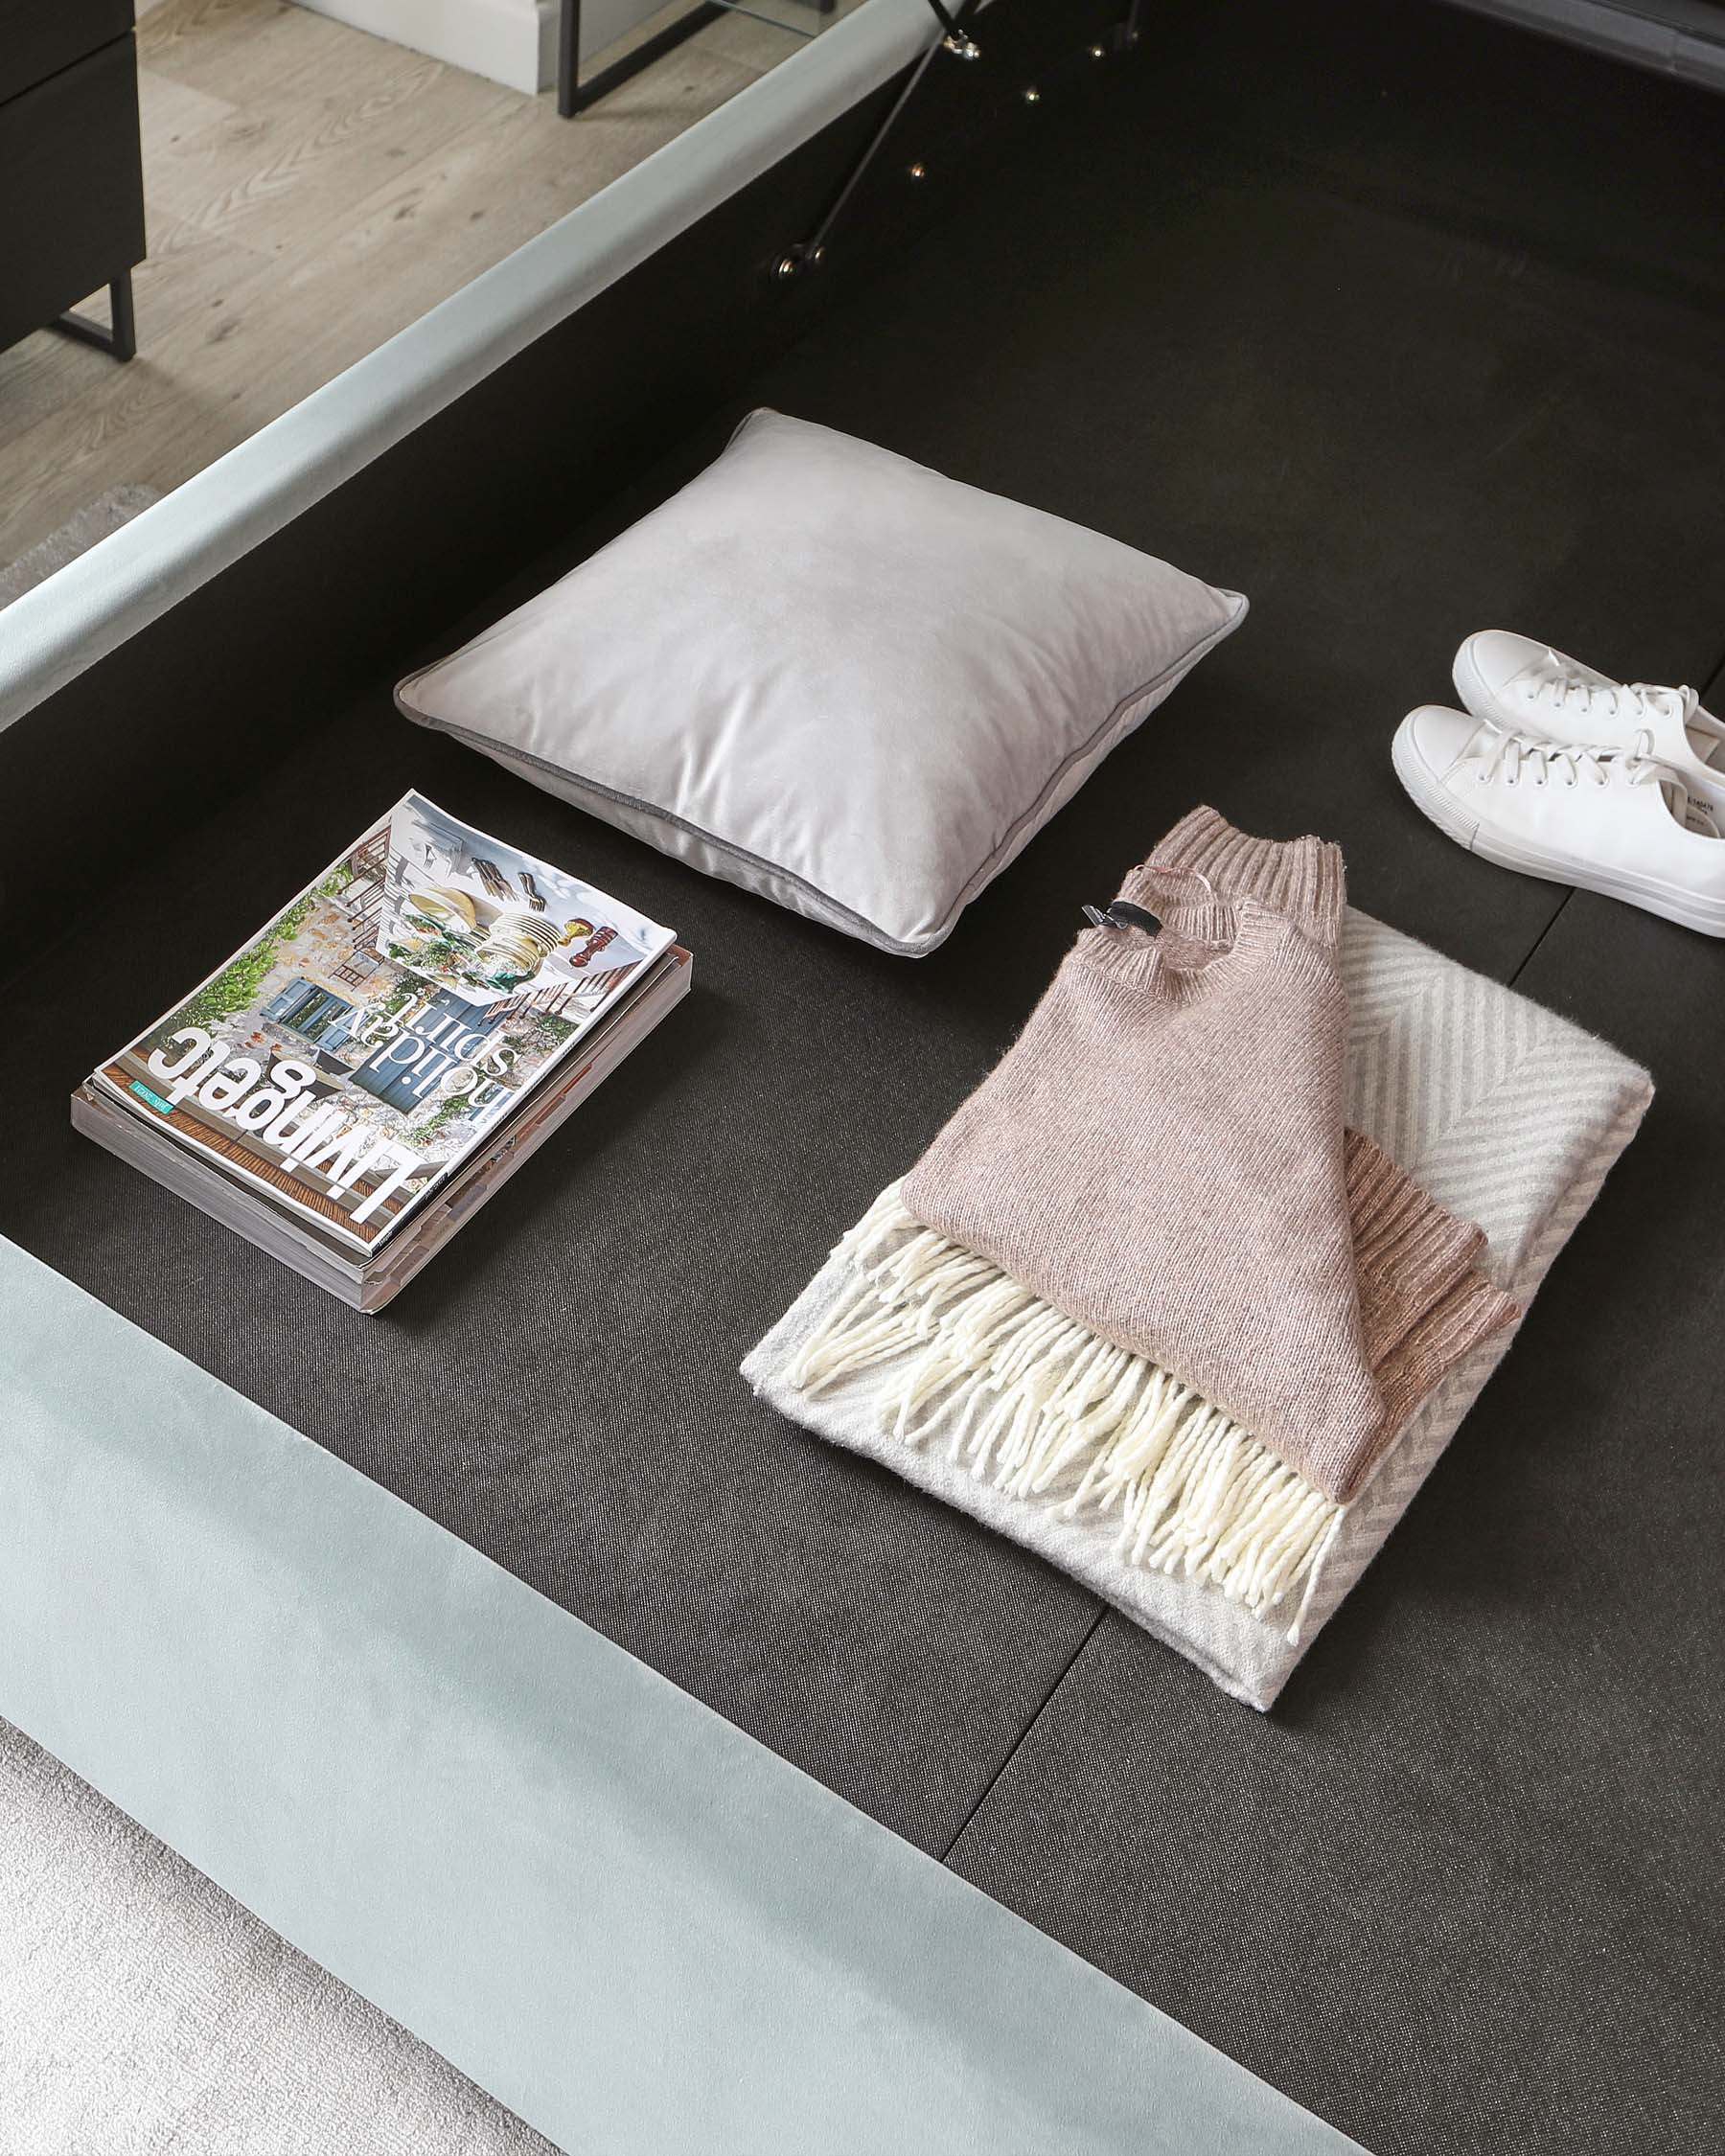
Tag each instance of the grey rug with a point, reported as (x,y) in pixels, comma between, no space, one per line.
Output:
(77,536)
(143,2011)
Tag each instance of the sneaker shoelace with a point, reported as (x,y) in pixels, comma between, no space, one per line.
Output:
(1628,700)
(1511,754)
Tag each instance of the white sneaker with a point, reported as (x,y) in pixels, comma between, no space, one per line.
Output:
(1607,819)
(1522,687)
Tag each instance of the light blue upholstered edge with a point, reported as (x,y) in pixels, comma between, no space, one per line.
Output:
(610,1907)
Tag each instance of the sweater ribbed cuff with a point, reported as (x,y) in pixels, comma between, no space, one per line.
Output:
(1410,1251)
(1424,1303)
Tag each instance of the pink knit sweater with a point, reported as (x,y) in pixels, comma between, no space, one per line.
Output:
(1162,1157)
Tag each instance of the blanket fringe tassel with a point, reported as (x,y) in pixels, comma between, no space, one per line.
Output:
(1040,1407)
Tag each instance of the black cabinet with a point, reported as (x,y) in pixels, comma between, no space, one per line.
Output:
(71,174)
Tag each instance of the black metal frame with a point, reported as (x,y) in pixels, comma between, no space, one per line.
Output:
(119,335)
(574,95)
(956,38)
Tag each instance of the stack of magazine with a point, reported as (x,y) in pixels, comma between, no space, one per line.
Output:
(352,1085)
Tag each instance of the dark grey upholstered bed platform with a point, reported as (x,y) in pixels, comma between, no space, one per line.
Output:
(1403,324)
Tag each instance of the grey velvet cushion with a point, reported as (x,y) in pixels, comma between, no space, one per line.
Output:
(831,675)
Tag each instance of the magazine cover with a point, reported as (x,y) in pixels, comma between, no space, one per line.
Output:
(355,1054)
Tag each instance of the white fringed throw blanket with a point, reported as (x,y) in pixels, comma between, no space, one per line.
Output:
(1498,1109)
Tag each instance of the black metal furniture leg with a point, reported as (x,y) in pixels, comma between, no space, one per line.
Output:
(121,315)
(569,58)
(121,339)
(574,95)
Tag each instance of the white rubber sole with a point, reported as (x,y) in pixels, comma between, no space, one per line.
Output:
(1688,908)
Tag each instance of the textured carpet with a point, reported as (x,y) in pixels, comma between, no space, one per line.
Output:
(144,2013)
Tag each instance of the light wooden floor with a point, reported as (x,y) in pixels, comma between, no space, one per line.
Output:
(309,191)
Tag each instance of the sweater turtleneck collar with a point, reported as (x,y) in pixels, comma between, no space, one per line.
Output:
(1300,879)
